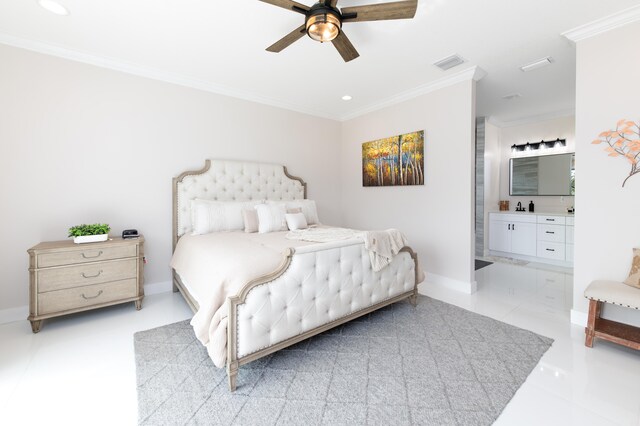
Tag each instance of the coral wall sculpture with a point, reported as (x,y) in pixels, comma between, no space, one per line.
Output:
(624,141)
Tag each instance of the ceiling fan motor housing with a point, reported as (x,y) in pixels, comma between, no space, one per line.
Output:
(323,22)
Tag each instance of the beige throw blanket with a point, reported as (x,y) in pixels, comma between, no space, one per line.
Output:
(382,245)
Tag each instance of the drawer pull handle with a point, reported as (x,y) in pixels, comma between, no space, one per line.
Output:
(550,232)
(91,297)
(92,276)
(550,249)
(551,220)
(92,257)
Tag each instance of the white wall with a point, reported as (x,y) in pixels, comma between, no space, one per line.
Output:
(84,144)
(437,217)
(563,128)
(607,218)
(492,167)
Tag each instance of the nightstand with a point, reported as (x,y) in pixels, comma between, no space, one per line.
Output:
(66,278)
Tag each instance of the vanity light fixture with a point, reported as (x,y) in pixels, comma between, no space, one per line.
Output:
(537,64)
(542,145)
(53,7)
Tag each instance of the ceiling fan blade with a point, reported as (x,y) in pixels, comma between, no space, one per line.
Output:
(331,3)
(380,12)
(288,4)
(287,40)
(345,48)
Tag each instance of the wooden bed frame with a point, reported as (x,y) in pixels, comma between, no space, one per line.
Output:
(234,361)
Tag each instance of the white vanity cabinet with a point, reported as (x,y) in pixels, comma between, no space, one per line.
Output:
(513,233)
(546,238)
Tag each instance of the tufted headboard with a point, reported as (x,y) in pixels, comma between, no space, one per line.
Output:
(227,180)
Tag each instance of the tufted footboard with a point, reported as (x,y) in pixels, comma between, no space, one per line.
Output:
(315,288)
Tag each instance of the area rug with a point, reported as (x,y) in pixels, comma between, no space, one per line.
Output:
(508,260)
(482,264)
(434,364)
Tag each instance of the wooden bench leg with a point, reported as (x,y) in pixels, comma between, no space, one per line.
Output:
(595,308)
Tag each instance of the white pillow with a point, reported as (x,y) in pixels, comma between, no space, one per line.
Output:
(296,221)
(308,208)
(218,216)
(271,217)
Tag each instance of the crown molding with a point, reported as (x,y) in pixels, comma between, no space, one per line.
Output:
(474,73)
(154,74)
(602,25)
(531,119)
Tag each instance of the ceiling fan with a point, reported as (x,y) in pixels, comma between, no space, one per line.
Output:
(323,21)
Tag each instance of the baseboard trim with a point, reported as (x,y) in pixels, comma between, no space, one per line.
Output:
(457,285)
(21,313)
(157,288)
(579,318)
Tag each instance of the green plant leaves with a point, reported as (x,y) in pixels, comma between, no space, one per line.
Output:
(94,229)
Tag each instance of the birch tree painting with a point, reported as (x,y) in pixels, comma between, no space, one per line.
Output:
(394,161)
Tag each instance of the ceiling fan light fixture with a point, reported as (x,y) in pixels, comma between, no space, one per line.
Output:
(323,27)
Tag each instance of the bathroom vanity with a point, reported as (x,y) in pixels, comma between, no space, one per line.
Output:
(536,237)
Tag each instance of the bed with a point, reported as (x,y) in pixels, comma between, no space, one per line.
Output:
(289,290)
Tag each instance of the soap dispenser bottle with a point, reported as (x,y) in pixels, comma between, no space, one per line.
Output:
(531,206)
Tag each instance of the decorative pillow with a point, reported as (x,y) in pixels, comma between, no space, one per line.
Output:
(634,275)
(271,217)
(296,221)
(308,208)
(250,218)
(294,210)
(218,216)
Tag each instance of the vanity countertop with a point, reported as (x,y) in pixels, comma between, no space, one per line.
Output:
(535,213)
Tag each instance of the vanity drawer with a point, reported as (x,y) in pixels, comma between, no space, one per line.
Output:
(81,297)
(82,275)
(85,255)
(552,220)
(551,233)
(549,250)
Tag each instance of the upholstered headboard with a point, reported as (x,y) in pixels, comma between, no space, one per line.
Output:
(227,180)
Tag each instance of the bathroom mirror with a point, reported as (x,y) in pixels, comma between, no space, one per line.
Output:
(542,175)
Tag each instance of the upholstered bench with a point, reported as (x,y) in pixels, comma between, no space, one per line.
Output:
(616,293)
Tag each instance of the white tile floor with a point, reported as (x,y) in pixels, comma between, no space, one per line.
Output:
(80,369)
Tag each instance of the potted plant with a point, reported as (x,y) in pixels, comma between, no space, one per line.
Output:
(89,233)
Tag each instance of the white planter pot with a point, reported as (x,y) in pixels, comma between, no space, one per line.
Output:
(90,238)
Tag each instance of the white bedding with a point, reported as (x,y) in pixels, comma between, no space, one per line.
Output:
(216,266)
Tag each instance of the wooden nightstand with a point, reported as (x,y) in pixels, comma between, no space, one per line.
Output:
(67,277)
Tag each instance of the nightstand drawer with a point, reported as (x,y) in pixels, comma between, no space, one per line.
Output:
(86,254)
(82,275)
(81,297)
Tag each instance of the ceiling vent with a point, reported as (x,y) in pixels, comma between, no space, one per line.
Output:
(537,64)
(449,62)
(512,96)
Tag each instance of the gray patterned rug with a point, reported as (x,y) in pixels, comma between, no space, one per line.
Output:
(435,364)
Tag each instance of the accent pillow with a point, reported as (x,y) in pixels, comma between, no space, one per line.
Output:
(308,208)
(634,275)
(271,217)
(294,210)
(296,221)
(250,218)
(218,216)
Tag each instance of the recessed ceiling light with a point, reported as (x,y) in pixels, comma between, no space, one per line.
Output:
(537,64)
(346,98)
(53,7)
